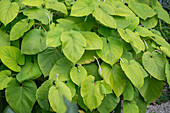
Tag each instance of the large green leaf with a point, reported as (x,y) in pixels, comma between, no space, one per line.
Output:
(42,94)
(37,3)
(12,58)
(133,39)
(133,22)
(162,14)
(105,88)
(150,22)
(4,78)
(122,22)
(30,70)
(93,41)
(56,94)
(47,59)
(154,63)
(55,5)
(142,10)
(120,9)
(128,93)
(38,14)
(144,32)
(21,97)
(8,11)
(152,89)
(73,45)
(53,37)
(133,71)
(115,77)
(103,16)
(130,107)
(78,74)
(20,28)
(62,68)
(109,102)
(82,8)
(34,42)
(90,91)
(111,51)
(4,39)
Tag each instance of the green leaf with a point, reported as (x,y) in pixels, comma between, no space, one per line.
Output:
(154,63)
(162,14)
(38,14)
(109,102)
(128,93)
(90,91)
(55,5)
(62,68)
(56,94)
(115,77)
(105,19)
(150,22)
(120,9)
(105,88)
(73,45)
(111,51)
(130,107)
(82,8)
(34,42)
(152,89)
(37,3)
(142,10)
(8,11)
(87,57)
(167,68)
(42,94)
(21,98)
(144,32)
(133,71)
(80,100)
(47,59)
(4,78)
(72,87)
(53,37)
(133,39)
(67,24)
(12,58)
(93,41)
(133,22)
(122,22)
(4,39)
(20,28)
(78,74)
(30,70)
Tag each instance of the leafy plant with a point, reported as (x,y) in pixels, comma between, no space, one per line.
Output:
(95,53)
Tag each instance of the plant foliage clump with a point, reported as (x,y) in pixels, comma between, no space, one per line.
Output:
(95,53)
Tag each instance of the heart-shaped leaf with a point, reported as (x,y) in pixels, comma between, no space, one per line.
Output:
(56,94)
(78,74)
(8,11)
(21,98)
(12,58)
(4,78)
(73,45)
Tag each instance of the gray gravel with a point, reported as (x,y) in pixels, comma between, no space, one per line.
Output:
(163,108)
